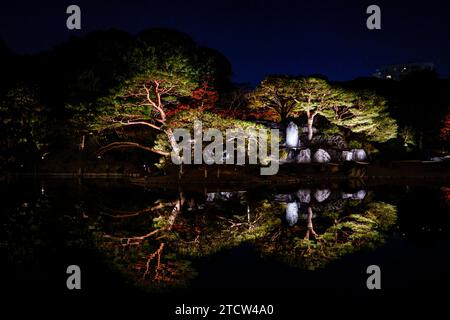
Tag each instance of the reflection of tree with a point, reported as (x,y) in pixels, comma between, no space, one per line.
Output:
(190,227)
(120,214)
(153,247)
(221,230)
(158,257)
(24,231)
(147,258)
(347,234)
(310,225)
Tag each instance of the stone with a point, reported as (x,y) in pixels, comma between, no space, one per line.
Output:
(335,141)
(359,155)
(361,194)
(292,213)
(292,135)
(210,196)
(304,195)
(284,198)
(347,156)
(321,156)
(322,195)
(335,155)
(304,156)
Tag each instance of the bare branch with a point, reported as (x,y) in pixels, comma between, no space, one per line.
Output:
(123,145)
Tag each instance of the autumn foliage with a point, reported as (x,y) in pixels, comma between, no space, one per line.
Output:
(445,130)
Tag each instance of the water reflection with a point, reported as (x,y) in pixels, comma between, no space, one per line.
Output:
(155,237)
(307,228)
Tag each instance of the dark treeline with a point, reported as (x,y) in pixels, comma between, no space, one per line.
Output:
(101,91)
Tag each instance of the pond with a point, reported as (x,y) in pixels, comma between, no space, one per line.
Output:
(132,240)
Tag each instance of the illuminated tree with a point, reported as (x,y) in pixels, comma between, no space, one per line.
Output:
(367,115)
(128,85)
(23,121)
(275,98)
(316,96)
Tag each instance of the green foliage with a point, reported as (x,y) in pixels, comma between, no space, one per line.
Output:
(284,154)
(366,115)
(230,232)
(23,121)
(116,81)
(355,144)
(317,96)
(408,136)
(275,98)
(384,214)
(185,120)
(331,131)
(348,234)
(362,113)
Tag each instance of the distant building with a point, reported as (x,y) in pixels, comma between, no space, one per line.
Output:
(399,71)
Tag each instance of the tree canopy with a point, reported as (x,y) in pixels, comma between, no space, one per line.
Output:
(365,113)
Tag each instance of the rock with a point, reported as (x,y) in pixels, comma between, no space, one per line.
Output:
(322,195)
(210,196)
(321,156)
(304,195)
(361,194)
(291,155)
(226,195)
(335,155)
(292,135)
(292,213)
(359,155)
(304,156)
(284,198)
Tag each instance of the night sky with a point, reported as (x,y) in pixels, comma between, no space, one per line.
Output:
(258,37)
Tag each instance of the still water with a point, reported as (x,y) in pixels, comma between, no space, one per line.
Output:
(134,240)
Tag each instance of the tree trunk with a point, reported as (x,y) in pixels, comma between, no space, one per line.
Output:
(421,140)
(81,145)
(310,127)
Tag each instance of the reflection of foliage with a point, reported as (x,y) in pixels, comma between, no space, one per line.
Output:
(220,232)
(147,260)
(161,258)
(28,231)
(347,235)
(153,248)
(22,234)
(149,264)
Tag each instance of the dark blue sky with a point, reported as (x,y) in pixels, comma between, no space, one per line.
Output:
(259,37)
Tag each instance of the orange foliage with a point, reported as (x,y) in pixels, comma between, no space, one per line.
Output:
(445,130)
